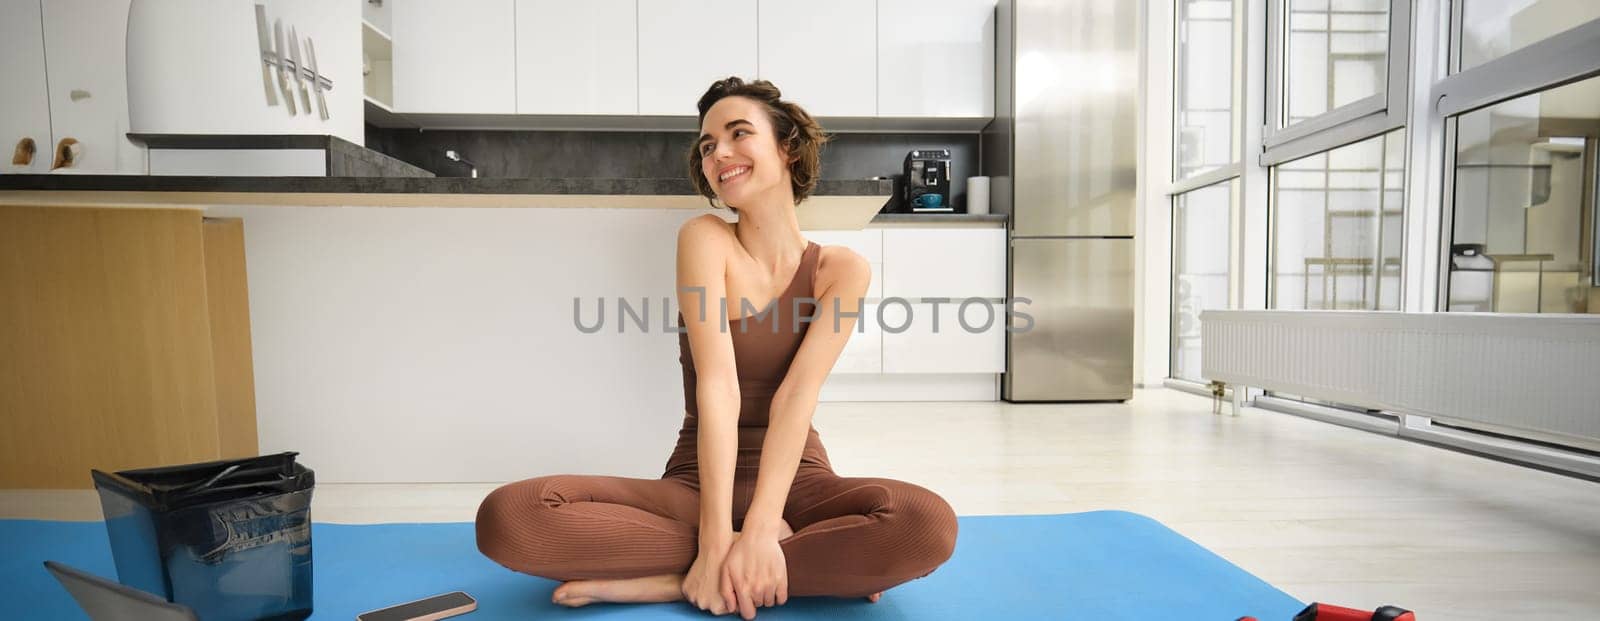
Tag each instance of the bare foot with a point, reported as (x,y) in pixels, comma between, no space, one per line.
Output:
(651,589)
(875,597)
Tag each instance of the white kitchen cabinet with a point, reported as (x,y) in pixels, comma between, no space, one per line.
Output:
(455,57)
(377,14)
(685,45)
(912,263)
(85,58)
(936,262)
(820,53)
(863,353)
(23,98)
(866,242)
(577,57)
(944,345)
(936,59)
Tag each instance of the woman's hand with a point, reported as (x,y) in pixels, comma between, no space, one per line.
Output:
(755,572)
(703,585)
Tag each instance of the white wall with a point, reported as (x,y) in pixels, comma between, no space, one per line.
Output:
(408,344)
(1153,226)
(194,66)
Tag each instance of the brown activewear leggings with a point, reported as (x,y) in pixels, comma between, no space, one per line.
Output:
(853,536)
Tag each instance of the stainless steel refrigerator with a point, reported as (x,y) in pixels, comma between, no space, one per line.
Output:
(1062,155)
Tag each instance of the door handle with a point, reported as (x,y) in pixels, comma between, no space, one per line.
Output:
(23,154)
(68,152)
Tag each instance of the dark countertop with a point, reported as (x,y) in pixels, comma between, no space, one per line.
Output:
(938,217)
(399,185)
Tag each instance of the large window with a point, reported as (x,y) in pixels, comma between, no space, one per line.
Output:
(1523,227)
(1337,72)
(1206,81)
(1493,28)
(1206,164)
(1521,120)
(1336,54)
(1336,222)
(1200,274)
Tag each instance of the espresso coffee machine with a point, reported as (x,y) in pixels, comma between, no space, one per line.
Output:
(926,186)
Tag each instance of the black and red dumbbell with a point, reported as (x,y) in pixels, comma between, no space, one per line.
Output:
(1325,612)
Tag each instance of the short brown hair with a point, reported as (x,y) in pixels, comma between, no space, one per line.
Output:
(799,135)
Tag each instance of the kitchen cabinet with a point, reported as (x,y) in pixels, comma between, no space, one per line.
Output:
(945,262)
(24,99)
(85,61)
(577,57)
(455,57)
(863,353)
(936,59)
(912,263)
(944,344)
(685,45)
(819,53)
(377,14)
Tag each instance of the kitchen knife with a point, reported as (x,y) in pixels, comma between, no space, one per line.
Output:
(299,69)
(316,79)
(283,67)
(266,55)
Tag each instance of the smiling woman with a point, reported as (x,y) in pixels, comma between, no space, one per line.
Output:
(800,137)
(748,509)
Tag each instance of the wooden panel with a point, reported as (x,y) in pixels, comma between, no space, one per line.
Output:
(105,356)
(228,298)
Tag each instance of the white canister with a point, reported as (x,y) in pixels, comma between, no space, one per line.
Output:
(977,195)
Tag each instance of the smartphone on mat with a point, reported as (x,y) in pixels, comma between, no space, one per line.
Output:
(429,609)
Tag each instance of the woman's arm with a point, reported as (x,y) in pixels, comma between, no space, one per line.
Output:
(702,290)
(842,277)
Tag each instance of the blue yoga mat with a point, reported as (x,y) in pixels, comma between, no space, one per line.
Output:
(1097,565)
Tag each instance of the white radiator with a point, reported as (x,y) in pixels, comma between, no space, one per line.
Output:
(1535,373)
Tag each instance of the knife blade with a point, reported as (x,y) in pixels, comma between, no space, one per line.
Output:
(299,69)
(316,79)
(265,40)
(283,67)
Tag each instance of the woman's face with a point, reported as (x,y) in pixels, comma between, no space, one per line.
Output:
(739,154)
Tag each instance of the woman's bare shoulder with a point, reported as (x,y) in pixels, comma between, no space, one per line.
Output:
(841,265)
(704,228)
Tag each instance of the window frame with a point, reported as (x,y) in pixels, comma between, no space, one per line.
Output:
(1235,200)
(1273,179)
(1232,173)
(1350,123)
(1235,168)
(1555,61)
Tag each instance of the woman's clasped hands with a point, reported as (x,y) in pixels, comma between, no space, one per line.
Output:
(749,573)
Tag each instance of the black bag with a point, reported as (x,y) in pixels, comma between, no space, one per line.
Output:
(230,539)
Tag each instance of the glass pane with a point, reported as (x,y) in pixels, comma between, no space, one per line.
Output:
(1519,242)
(1205,134)
(1200,243)
(1493,28)
(1337,219)
(1336,53)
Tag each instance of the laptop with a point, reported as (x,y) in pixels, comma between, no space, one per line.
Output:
(105,600)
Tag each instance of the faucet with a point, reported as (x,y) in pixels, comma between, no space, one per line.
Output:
(455,156)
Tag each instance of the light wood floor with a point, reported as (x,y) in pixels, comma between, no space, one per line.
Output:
(1324,512)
